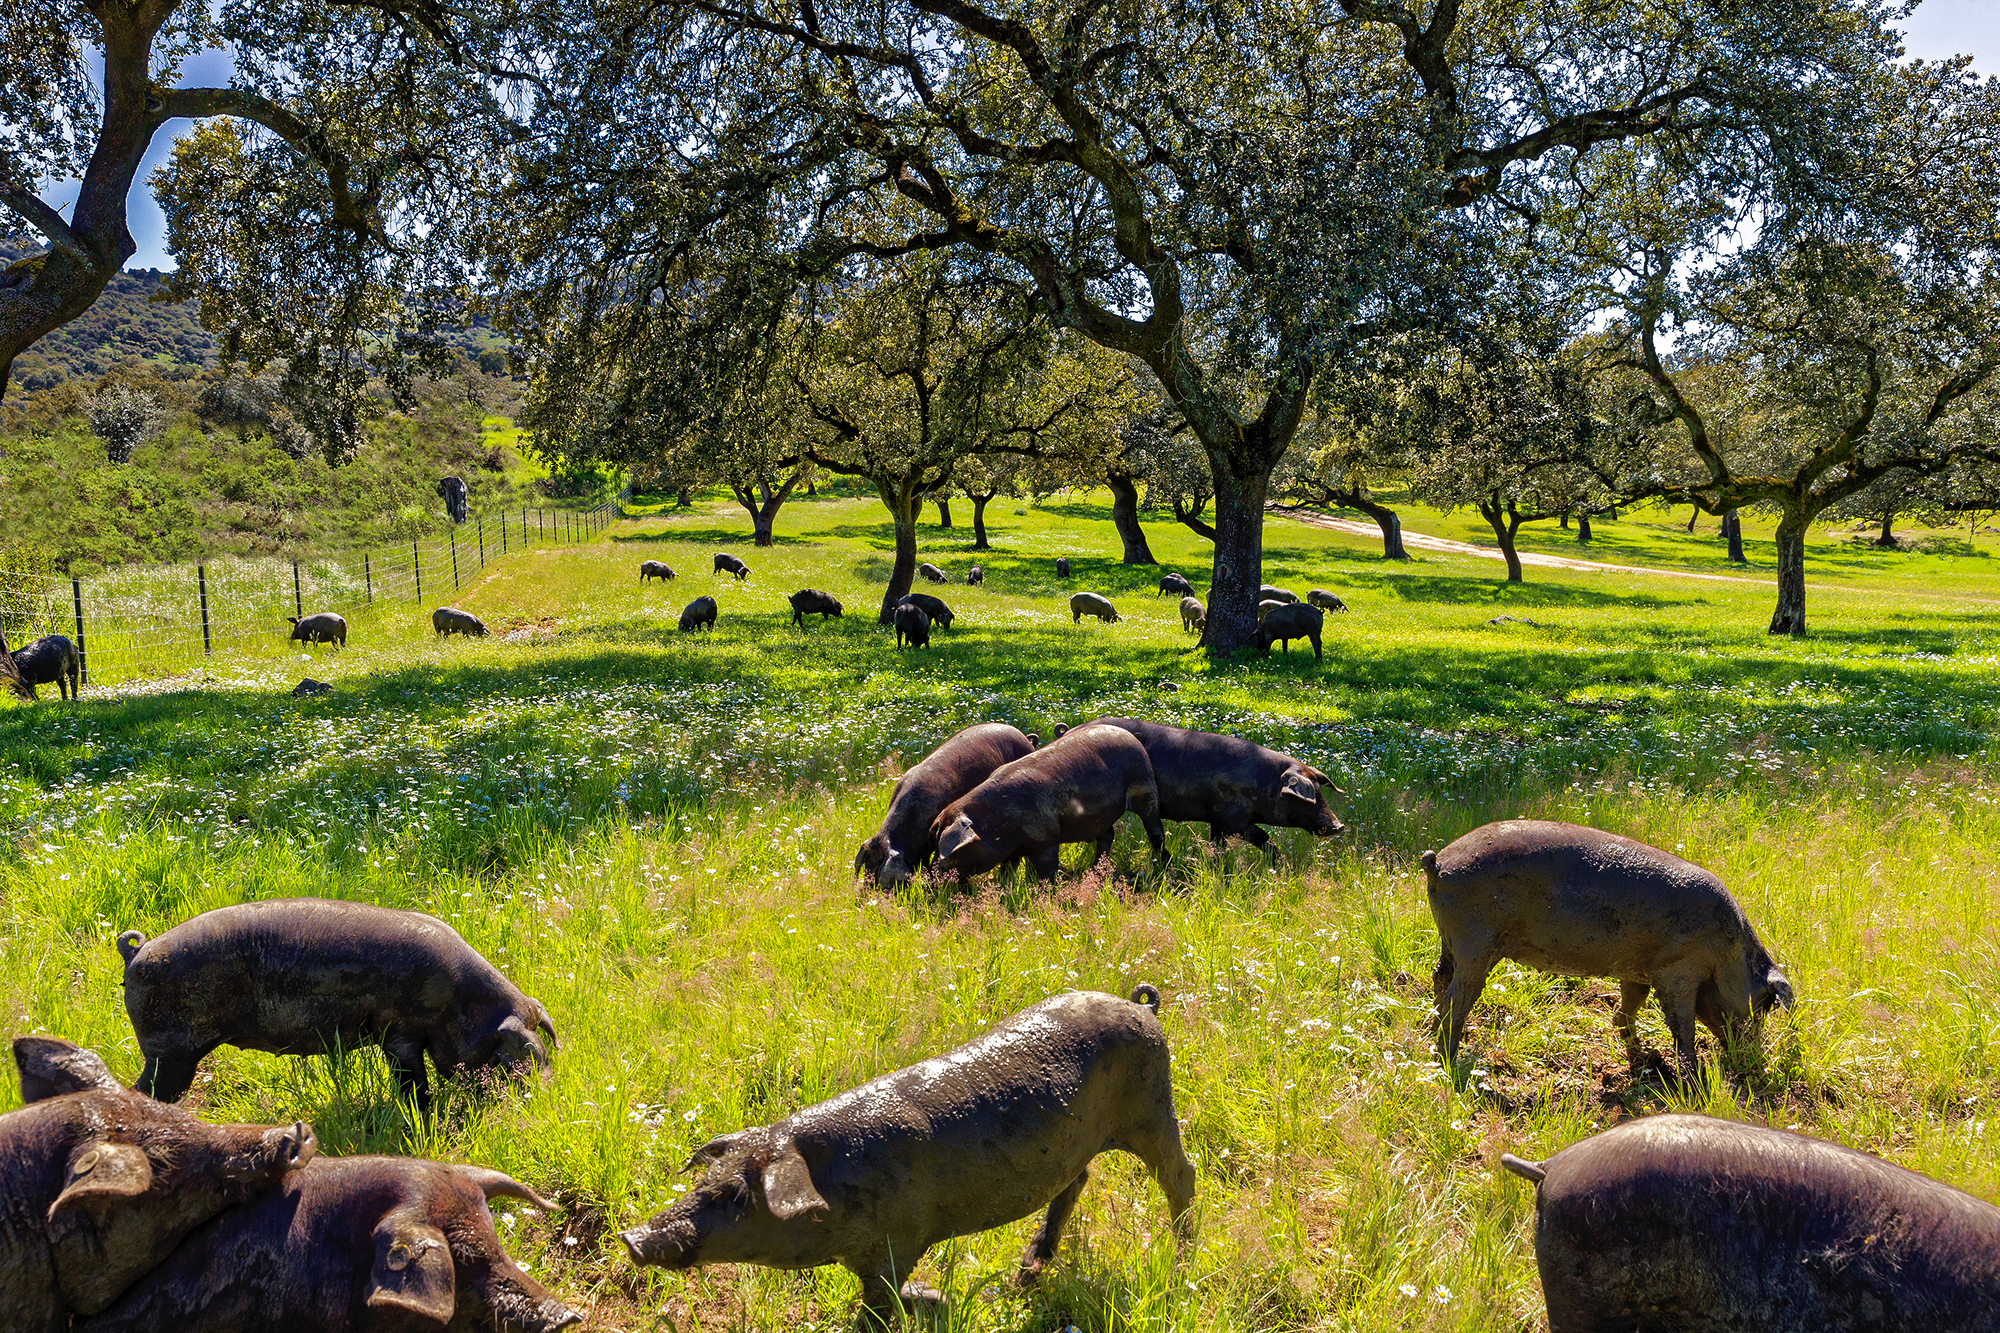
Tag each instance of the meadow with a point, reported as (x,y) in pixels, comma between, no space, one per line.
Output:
(654,834)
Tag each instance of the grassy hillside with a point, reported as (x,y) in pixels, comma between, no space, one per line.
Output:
(653,833)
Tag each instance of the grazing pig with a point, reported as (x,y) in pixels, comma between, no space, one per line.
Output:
(903,844)
(309,976)
(1072,790)
(1325,600)
(808,602)
(309,688)
(320,627)
(449,620)
(975,577)
(1582,902)
(1174,583)
(655,569)
(730,564)
(348,1245)
(1697,1225)
(1090,604)
(966,1141)
(49,660)
(1271,592)
(1191,613)
(699,614)
(939,613)
(1266,607)
(931,573)
(1231,785)
(1062,566)
(913,627)
(98,1183)
(1294,620)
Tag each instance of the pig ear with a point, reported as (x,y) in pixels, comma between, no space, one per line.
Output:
(788,1185)
(959,833)
(519,1043)
(499,1185)
(1324,781)
(51,1067)
(1301,786)
(96,1228)
(542,1019)
(413,1272)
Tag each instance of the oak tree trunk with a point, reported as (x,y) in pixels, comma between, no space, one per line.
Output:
(1790,617)
(979,522)
(1238,570)
(1732,528)
(1886,537)
(944,513)
(1125,517)
(1583,526)
(1504,526)
(1386,519)
(903,510)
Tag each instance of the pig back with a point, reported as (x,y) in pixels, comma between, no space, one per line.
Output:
(1070,790)
(986,1134)
(1692,1223)
(964,761)
(284,975)
(1201,775)
(1570,898)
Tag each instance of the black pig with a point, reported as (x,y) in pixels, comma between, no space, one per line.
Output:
(903,844)
(308,976)
(1072,790)
(1231,785)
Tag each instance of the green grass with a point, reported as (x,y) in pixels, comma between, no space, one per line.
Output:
(653,833)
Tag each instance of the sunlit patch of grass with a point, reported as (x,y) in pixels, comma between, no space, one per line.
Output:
(654,833)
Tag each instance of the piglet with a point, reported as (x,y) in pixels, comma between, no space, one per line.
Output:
(308,976)
(1708,1226)
(963,1142)
(349,1245)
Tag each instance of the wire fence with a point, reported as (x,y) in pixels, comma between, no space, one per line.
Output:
(144,621)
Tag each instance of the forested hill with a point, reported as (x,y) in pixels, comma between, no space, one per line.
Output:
(129,327)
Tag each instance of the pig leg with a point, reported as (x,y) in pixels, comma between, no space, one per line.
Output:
(1677,1002)
(1143,802)
(1046,860)
(1158,1145)
(1259,839)
(1468,980)
(1631,994)
(406,1062)
(882,1299)
(1043,1247)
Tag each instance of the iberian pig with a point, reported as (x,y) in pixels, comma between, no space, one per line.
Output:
(1697,1225)
(913,627)
(98,1183)
(655,569)
(320,627)
(309,976)
(933,607)
(449,620)
(966,1141)
(975,577)
(1582,902)
(725,563)
(1062,566)
(1171,582)
(1191,613)
(49,660)
(1294,620)
(1325,600)
(1231,785)
(931,573)
(812,602)
(903,844)
(1090,604)
(1266,607)
(1071,790)
(699,614)
(1271,592)
(348,1245)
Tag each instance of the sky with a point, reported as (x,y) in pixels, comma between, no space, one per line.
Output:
(1940,28)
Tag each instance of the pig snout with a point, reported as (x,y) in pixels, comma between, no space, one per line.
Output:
(665,1242)
(894,872)
(285,1148)
(519,1309)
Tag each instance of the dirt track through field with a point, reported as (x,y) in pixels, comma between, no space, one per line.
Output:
(1448,546)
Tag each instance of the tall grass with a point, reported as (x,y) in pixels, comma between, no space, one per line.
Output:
(653,833)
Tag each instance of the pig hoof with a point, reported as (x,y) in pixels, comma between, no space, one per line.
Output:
(916,1293)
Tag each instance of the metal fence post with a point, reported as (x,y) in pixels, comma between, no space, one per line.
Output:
(298,598)
(368,579)
(201,581)
(417,570)
(482,545)
(454,562)
(82,651)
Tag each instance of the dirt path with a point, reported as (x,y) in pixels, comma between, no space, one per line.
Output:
(1447,545)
